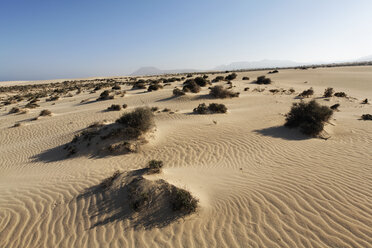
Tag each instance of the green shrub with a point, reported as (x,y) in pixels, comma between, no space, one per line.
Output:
(309,117)
(141,119)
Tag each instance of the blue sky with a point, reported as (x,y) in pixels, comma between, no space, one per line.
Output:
(47,39)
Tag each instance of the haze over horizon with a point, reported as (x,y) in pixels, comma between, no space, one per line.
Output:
(46,40)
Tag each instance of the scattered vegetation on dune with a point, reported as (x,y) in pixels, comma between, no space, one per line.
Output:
(191,86)
(328,92)
(245,78)
(183,201)
(367,117)
(308,117)
(335,106)
(219,91)
(340,94)
(307,93)
(141,119)
(105,95)
(154,166)
(45,112)
(14,110)
(211,109)
(231,76)
(218,79)
(262,80)
(114,107)
(106,183)
(178,92)
(154,87)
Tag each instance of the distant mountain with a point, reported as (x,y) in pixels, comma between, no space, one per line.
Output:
(150,70)
(365,58)
(266,63)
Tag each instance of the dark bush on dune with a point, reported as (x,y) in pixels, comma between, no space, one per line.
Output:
(183,201)
(263,80)
(125,106)
(272,72)
(154,87)
(211,109)
(328,92)
(367,117)
(201,81)
(105,95)
(191,86)
(231,76)
(309,117)
(45,112)
(114,107)
(340,94)
(218,79)
(178,92)
(141,119)
(335,106)
(307,93)
(220,92)
(365,101)
(116,87)
(245,78)
(205,76)
(140,84)
(154,166)
(14,110)
(189,75)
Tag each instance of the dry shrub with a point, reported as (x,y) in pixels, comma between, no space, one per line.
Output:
(220,92)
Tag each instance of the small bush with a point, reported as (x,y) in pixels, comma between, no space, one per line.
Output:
(189,75)
(201,81)
(218,79)
(178,92)
(335,106)
(307,93)
(191,86)
(205,76)
(219,92)
(309,117)
(140,84)
(272,72)
(105,95)
(32,105)
(141,119)
(52,98)
(367,117)
(14,110)
(154,109)
(231,76)
(114,107)
(365,101)
(328,92)
(340,94)
(125,106)
(183,201)
(245,78)
(154,87)
(154,166)
(211,109)
(45,112)
(116,87)
(246,88)
(18,124)
(263,80)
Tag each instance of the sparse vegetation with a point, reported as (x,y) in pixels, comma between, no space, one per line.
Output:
(211,109)
(328,92)
(154,166)
(191,86)
(45,112)
(340,94)
(14,110)
(335,106)
(309,117)
(141,119)
(114,107)
(178,92)
(263,80)
(106,183)
(183,201)
(154,87)
(231,76)
(219,91)
(245,78)
(218,79)
(367,117)
(105,95)
(307,93)
(272,72)
(125,106)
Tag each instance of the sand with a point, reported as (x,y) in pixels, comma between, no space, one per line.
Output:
(259,184)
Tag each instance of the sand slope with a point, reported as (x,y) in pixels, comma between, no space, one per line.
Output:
(259,184)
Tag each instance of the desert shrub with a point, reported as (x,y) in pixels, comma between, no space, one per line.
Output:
(141,119)
(178,92)
(125,106)
(263,80)
(201,81)
(220,92)
(231,76)
(140,84)
(14,110)
(340,94)
(272,72)
(335,106)
(367,117)
(191,86)
(32,105)
(18,124)
(154,109)
(154,87)
(105,95)
(154,166)
(328,92)
(166,110)
(45,112)
(189,75)
(365,101)
(218,79)
(274,91)
(116,87)
(246,88)
(106,183)
(211,109)
(114,107)
(307,93)
(291,91)
(309,117)
(245,78)
(52,98)
(183,201)
(205,76)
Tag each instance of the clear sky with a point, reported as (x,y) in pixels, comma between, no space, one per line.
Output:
(47,39)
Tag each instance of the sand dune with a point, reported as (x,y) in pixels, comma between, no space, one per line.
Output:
(259,184)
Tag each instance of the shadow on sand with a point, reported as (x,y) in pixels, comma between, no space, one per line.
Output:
(282,132)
